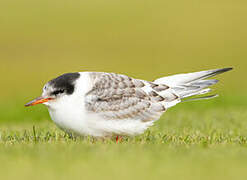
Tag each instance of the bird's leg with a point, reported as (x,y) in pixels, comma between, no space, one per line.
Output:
(118,139)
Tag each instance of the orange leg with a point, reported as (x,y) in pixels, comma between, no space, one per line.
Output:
(118,139)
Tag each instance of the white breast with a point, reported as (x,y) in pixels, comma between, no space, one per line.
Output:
(68,112)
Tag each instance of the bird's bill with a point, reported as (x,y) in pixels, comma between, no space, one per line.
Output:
(39,100)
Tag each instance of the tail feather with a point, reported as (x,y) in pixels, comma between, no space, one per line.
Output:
(186,94)
(201,98)
(190,84)
(205,82)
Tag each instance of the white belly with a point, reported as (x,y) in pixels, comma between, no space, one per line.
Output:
(91,124)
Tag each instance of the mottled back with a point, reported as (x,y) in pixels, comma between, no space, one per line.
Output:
(115,96)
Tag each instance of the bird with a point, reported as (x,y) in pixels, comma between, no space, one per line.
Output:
(101,104)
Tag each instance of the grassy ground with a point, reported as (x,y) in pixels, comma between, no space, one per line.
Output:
(196,140)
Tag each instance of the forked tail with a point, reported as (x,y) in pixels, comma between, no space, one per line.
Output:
(190,84)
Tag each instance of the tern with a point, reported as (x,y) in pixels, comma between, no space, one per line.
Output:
(101,104)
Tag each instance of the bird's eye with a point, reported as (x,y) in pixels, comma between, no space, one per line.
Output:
(60,91)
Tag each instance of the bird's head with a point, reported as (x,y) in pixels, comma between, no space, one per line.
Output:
(56,89)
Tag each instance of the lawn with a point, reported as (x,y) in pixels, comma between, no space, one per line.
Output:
(194,140)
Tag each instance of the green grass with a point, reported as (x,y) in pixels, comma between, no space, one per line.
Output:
(197,140)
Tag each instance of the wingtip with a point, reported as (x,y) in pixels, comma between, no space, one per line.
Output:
(227,69)
(222,70)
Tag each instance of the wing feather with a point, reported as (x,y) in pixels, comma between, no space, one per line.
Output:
(116,96)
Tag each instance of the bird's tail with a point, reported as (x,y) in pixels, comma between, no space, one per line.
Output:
(190,84)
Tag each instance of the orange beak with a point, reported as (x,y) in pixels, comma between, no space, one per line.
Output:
(39,100)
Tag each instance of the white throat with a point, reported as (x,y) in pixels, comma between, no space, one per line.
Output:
(68,110)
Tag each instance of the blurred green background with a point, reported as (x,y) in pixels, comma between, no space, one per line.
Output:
(42,39)
(145,39)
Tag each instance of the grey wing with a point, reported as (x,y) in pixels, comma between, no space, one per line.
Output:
(115,96)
